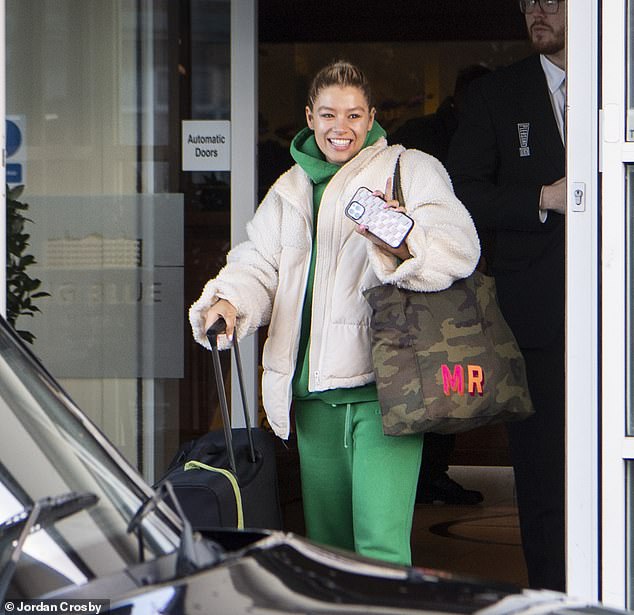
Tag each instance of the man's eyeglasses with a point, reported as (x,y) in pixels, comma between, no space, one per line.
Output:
(548,6)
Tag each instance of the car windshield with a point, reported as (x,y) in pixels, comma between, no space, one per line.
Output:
(49,448)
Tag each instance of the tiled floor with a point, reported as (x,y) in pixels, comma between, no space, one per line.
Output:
(481,540)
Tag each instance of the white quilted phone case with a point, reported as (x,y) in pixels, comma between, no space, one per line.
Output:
(389,225)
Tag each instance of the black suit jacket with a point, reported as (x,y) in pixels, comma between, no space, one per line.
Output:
(501,189)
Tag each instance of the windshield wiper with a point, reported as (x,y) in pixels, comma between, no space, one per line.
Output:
(43,513)
(194,552)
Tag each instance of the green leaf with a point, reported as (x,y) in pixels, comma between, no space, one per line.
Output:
(26,335)
(20,286)
(15,192)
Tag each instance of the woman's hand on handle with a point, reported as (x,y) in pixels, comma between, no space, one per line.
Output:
(225,310)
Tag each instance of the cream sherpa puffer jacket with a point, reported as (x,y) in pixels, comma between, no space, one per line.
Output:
(265,276)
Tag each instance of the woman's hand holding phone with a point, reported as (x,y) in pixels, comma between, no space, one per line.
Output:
(401,251)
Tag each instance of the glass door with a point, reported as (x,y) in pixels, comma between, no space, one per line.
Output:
(616,151)
(600,273)
(126,218)
(90,155)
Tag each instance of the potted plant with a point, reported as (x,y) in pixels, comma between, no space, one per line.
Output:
(22,289)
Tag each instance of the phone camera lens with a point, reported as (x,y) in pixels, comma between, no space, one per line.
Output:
(356,211)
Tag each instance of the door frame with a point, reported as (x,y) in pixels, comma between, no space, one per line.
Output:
(617,449)
(244,136)
(582,365)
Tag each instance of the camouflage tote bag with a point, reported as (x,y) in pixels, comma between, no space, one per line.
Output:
(445,361)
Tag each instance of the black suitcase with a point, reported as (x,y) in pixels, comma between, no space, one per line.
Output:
(227,478)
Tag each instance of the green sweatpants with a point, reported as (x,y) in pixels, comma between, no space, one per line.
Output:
(358,485)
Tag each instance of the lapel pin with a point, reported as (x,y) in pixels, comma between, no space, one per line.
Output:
(522,131)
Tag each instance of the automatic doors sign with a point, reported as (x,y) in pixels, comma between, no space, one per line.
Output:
(206,145)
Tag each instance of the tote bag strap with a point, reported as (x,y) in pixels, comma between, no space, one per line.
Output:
(396,183)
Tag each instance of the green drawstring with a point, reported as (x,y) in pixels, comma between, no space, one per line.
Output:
(348,427)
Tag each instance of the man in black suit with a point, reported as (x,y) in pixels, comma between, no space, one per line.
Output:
(507,162)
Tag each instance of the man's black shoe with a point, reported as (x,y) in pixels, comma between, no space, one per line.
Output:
(447,491)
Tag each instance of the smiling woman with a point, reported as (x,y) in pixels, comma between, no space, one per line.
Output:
(340,111)
(341,121)
(303,272)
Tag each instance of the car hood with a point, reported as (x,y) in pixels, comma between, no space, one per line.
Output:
(283,573)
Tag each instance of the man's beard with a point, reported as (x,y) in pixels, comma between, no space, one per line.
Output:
(550,45)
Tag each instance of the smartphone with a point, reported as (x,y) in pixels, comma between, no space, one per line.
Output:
(388,225)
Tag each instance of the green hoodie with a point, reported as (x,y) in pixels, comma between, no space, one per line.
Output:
(306,153)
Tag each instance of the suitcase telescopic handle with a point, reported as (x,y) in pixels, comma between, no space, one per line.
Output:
(216,328)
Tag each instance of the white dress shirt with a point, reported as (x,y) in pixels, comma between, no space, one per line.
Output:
(556,80)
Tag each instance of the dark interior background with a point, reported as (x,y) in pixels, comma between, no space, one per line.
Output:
(396,20)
